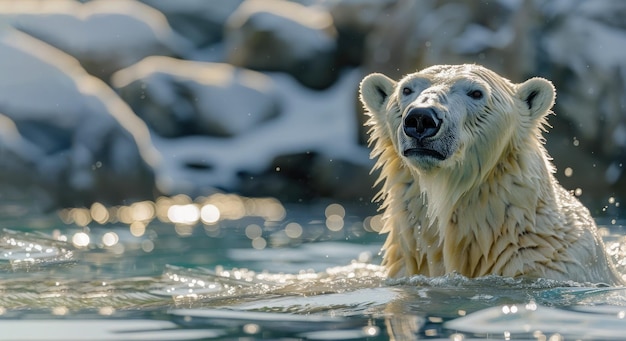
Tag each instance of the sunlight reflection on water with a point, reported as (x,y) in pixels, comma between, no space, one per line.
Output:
(186,214)
(254,268)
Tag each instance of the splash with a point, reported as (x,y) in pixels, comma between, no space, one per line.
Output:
(26,251)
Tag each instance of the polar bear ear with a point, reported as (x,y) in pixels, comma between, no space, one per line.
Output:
(375,89)
(538,94)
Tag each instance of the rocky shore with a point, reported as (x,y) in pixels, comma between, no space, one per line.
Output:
(117,101)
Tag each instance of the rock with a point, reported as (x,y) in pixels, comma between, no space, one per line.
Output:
(310,176)
(178,98)
(354,20)
(588,54)
(196,21)
(104,36)
(275,35)
(310,149)
(585,47)
(67,132)
(414,34)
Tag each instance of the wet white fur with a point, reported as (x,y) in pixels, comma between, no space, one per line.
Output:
(494,207)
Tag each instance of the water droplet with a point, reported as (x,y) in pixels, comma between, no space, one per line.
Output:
(568,172)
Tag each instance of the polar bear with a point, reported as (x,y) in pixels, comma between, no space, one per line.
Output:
(467,186)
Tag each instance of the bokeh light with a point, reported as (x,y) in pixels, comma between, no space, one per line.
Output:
(182,210)
(80,239)
(371,331)
(147,245)
(334,217)
(183,214)
(259,243)
(80,216)
(253,231)
(99,213)
(230,206)
(110,239)
(334,222)
(106,311)
(251,328)
(373,223)
(210,214)
(137,228)
(335,209)
(60,311)
(143,211)
(293,230)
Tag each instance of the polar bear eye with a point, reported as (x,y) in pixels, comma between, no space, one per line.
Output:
(475,94)
(407,91)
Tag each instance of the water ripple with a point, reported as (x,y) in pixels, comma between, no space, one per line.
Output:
(23,251)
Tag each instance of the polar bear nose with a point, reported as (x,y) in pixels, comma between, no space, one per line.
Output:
(421,123)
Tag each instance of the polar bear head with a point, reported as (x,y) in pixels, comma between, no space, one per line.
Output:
(460,118)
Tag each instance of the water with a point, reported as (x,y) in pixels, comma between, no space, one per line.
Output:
(227,267)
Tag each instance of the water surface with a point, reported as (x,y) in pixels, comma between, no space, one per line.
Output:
(228,267)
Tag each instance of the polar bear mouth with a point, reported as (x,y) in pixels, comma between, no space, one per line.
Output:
(424,152)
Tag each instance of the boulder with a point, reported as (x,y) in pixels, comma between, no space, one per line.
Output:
(354,20)
(67,132)
(193,19)
(309,151)
(275,35)
(178,98)
(103,35)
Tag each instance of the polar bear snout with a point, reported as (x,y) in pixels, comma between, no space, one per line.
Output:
(420,123)
(425,138)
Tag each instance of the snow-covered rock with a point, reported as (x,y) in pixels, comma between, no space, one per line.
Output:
(178,98)
(585,46)
(61,130)
(103,35)
(353,19)
(591,54)
(310,150)
(411,35)
(276,35)
(66,131)
(198,21)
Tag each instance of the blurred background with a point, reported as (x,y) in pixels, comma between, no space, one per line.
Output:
(116,102)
